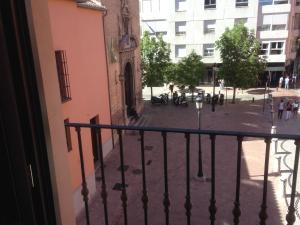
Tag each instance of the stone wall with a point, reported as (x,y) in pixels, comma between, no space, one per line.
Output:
(118,56)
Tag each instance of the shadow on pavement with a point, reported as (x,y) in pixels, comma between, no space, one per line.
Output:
(244,116)
(259,91)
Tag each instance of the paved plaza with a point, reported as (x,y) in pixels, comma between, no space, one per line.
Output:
(245,115)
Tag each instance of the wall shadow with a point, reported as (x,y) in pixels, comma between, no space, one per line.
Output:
(226,156)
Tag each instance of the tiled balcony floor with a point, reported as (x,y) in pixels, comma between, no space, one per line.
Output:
(244,116)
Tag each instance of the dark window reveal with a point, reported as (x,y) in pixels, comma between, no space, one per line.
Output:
(68,136)
(63,75)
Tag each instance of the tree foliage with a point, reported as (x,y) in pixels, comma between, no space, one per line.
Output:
(155,60)
(189,70)
(241,64)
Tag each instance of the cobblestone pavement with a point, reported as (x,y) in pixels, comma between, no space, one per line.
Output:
(243,116)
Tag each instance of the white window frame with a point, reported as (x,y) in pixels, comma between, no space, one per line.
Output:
(277,48)
(177,48)
(210,5)
(208,51)
(267,49)
(273,2)
(241,3)
(271,26)
(208,27)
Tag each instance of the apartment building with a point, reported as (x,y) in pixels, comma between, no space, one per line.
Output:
(195,25)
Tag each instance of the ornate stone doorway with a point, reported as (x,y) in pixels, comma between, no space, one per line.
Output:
(129,90)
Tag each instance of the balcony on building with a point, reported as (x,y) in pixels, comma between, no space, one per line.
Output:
(275,6)
(297,6)
(273,26)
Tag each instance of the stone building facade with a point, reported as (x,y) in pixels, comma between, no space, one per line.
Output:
(122,35)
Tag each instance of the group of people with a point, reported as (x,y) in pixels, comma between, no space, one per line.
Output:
(291,107)
(287,80)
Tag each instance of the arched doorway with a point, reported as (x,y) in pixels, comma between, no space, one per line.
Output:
(129,95)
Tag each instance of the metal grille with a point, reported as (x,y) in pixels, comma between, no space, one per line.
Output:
(165,198)
(63,75)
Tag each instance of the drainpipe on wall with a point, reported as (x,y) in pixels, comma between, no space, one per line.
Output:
(107,74)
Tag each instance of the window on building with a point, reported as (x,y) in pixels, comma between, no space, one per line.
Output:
(180,5)
(264,48)
(241,3)
(297,2)
(209,26)
(273,2)
(277,2)
(155,27)
(209,4)
(274,22)
(276,48)
(68,136)
(180,28)
(147,5)
(180,51)
(208,50)
(264,27)
(265,2)
(240,21)
(63,75)
(297,21)
(279,21)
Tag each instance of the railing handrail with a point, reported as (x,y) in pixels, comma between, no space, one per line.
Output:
(185,130)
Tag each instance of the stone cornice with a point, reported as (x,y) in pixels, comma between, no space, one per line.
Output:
(91,4)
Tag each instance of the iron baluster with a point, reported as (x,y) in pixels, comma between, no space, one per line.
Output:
(166,201)
(236,210)
(84,191)
(145,195)
(188,204)
(103,182)
(263,212)
(123,194)
(212,207)
(290,217)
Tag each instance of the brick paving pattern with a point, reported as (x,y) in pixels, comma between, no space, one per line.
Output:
(243,116)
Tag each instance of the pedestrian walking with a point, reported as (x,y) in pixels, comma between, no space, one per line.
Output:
(280,109)
(221,84)
(295,107)
(288,110)
(280,82)
(286,82)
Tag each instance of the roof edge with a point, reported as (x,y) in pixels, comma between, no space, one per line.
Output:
(91,4)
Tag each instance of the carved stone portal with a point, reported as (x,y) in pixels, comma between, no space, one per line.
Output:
(127,40)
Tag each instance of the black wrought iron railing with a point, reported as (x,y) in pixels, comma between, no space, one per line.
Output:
(142,131)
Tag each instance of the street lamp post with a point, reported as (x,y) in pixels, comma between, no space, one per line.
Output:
(199,106)
(213,97)
(272,111)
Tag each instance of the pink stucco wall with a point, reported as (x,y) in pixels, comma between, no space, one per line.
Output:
(79,31)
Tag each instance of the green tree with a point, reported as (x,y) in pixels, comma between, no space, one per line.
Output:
(189,71)
(241,64)
(155,60)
